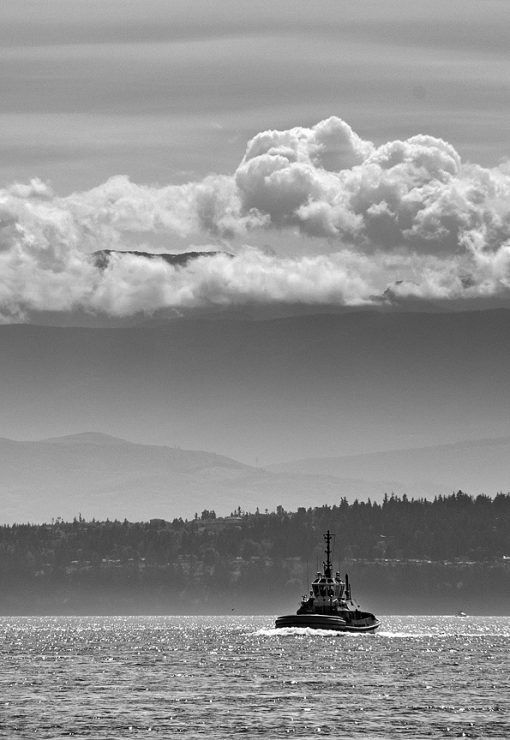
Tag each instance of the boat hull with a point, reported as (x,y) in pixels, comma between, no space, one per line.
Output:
(326,622)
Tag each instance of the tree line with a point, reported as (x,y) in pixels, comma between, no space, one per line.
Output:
(180,564)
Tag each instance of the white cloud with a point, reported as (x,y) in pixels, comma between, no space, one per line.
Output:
(405,219)
(415,193)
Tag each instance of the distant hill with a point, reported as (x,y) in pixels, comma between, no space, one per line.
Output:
(479,466)
(263,391)
(101,476)
(98,475)
(257,391)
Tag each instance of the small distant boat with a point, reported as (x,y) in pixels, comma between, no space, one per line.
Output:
(330,605)
(461,614)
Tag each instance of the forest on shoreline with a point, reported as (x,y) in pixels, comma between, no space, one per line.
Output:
(403,556)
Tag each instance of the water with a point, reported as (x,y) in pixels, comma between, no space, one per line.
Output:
(221,677)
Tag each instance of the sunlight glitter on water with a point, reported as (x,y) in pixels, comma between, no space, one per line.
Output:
(223,677)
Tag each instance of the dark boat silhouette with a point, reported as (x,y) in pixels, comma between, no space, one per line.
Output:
(330,605)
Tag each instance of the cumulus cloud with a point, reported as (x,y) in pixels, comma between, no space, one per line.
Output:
(407,219)
(415,194)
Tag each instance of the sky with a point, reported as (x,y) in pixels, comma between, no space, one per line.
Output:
(343,154)
(168,92)
(341,157)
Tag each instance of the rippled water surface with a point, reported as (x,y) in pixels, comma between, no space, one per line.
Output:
(220,677)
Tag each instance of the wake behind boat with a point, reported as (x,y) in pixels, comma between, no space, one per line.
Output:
(330,605)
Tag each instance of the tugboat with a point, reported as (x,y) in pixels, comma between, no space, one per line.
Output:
(330,605)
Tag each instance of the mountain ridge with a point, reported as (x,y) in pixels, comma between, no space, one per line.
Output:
(45,479)
(260,390)
(464,443)
(480,466)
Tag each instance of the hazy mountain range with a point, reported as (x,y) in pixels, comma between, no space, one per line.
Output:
(476,466)
(101,476)
(265,391)
(324,390)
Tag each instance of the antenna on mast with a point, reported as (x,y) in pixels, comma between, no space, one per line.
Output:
(327,563)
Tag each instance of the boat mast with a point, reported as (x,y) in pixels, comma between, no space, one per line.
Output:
(327,563)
